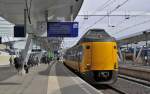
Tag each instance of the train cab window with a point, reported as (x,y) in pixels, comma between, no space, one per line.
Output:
(80,53)
(97,35)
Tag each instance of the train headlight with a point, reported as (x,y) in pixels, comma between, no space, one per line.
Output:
(88,66)
(115,66)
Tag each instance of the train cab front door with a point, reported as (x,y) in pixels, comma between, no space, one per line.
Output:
(87,55)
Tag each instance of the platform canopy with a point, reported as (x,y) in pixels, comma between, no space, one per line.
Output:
(13,10)
(55,10)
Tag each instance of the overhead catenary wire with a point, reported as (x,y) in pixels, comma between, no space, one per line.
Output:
(133,16)
(147,21)
(117,7)
(109,3)
(102,6)
(123,21)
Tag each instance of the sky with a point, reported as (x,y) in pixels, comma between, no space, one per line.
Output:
(137,12)
(132,17)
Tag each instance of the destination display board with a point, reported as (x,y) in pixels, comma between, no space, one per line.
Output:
(62,29)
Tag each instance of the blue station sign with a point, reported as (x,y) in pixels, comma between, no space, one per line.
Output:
(62,29)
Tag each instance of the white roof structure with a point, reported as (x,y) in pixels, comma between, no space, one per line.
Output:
(6,28)
(120,18)
(37,11)
(6,31)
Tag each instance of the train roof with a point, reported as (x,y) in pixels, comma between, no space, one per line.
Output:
(92,29)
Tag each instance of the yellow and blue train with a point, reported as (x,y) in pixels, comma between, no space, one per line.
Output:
(94,57)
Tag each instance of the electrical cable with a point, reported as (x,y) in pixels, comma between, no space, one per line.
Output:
(29,17)
(110,3)
(28,9)
(121,22)
(147,21)
(105,5)
(109,13)
(120,5)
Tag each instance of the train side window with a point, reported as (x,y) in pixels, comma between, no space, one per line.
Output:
(87,47)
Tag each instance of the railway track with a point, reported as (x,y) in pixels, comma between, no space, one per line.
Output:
(135,72)
(108,89)
(119,86)
(139,81)
(126,84)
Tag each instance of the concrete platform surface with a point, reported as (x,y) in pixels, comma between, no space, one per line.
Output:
(44,79)
(136,67)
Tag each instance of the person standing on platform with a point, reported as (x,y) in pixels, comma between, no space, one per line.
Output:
(37,61)
(11,61)
(26,68)
(18,65)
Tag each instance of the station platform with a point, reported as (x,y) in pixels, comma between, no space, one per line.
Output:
(137,71)
(54,78)
(131,65)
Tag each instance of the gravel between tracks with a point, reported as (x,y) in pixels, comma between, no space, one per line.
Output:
(128,87)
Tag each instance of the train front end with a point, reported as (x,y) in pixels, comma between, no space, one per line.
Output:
(100,57)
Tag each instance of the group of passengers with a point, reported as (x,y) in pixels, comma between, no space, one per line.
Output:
(17,63)
(46,60)
(32,62)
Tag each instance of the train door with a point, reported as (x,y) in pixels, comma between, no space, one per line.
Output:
(80,56)
(76,59)
(87,55)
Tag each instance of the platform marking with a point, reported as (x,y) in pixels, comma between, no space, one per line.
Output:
(77,79)
(53,86)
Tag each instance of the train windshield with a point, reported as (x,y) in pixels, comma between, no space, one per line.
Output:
(97,35)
